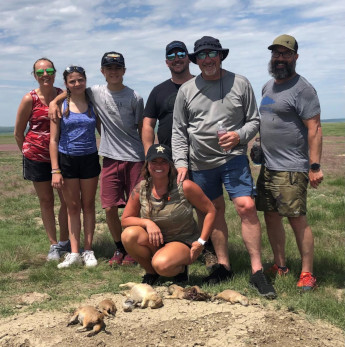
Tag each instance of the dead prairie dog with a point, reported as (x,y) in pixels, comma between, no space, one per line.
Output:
(107,307)
(89,318)
(194,293)
(143,293)
(233,297)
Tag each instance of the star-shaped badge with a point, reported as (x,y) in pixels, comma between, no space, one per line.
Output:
(160,149)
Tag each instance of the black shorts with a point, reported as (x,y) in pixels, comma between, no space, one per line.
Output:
(83,166)
(36,171)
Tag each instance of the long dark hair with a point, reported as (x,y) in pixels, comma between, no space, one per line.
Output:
(66,112)
(148,185)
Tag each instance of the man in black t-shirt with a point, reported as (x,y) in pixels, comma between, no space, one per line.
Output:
(160,104)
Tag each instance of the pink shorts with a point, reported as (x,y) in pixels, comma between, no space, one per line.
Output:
(118,178)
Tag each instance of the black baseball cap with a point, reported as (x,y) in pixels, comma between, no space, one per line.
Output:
(110,58)
(159,151)
(175,44)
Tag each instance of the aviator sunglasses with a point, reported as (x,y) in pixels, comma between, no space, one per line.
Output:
(40,72)
(203,55)
(179,55)
(73,68)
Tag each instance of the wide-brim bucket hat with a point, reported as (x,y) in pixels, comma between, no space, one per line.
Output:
(210,43)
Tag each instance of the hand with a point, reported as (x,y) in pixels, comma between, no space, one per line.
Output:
(57,181)
(182,174)
(229,140)
(54,111)
(315,178)
(195,251)
(155,234)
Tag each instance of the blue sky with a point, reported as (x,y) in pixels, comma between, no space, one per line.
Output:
(79,32)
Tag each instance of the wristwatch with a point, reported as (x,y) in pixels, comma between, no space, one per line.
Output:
(315,167)
(201,241)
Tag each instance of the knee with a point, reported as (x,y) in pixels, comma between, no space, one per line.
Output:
(89,207)
(73,208)
(246,209)
(160,264)
(130,235)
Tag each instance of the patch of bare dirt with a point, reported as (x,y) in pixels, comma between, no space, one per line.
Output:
(177,323)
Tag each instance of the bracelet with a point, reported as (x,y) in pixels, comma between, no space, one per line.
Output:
(201,241)
(56,171)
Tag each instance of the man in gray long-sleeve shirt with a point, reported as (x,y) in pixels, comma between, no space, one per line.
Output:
(219,95)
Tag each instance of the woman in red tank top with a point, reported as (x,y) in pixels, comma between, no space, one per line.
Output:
(34,145)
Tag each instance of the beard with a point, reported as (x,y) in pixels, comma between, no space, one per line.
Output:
(281,73)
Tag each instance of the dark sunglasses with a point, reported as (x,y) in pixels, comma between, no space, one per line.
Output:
(203,55)
(72,68)
(40,72)
(179,55)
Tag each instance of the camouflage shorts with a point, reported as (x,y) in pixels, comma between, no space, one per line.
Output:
(282,191)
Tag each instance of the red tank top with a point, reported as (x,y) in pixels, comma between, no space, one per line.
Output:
(36,142)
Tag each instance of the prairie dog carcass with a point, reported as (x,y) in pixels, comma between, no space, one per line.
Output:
(233,297)
(194,293)
(143,294)
(107,307)
(89,318)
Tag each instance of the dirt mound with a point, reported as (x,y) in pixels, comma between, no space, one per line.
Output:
(177,323)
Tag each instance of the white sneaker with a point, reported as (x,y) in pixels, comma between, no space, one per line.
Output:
(89,258)
(54,253)
(71,258)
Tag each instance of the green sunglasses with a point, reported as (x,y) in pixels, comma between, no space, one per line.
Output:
(203,55)
(40,72)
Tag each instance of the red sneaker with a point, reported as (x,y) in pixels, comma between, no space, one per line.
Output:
(117,258)
(306,281)
(275,270)
(128,260)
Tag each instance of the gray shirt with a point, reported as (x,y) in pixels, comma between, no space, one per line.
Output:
(199,105)
(284,137)
(120,113)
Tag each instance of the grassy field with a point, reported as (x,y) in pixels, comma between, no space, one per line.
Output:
(24,246)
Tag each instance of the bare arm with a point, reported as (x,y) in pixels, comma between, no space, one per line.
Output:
(98,125)
(54,106)
(315,148)
(199,200)
(57,179)
(148,135)
(131,216)
(23,116)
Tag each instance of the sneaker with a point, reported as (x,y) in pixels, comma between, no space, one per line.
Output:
(128,260)
(210,259)
(70,259)
(89,258)
(219,274)
(276,270)
(150,278)
(54,253)
(307,281)
(259,281)
(117,258)
(65,249)
(182,276)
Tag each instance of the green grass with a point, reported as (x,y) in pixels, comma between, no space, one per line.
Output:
(24,246)
(333,129)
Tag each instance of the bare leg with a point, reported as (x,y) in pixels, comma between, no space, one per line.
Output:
(171,259)
(305,241)
(45,195)
(219,234)
(88,192)
(276,236)
(251,230)
(63,219)
(71,193)
(136,243)
(113,222)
